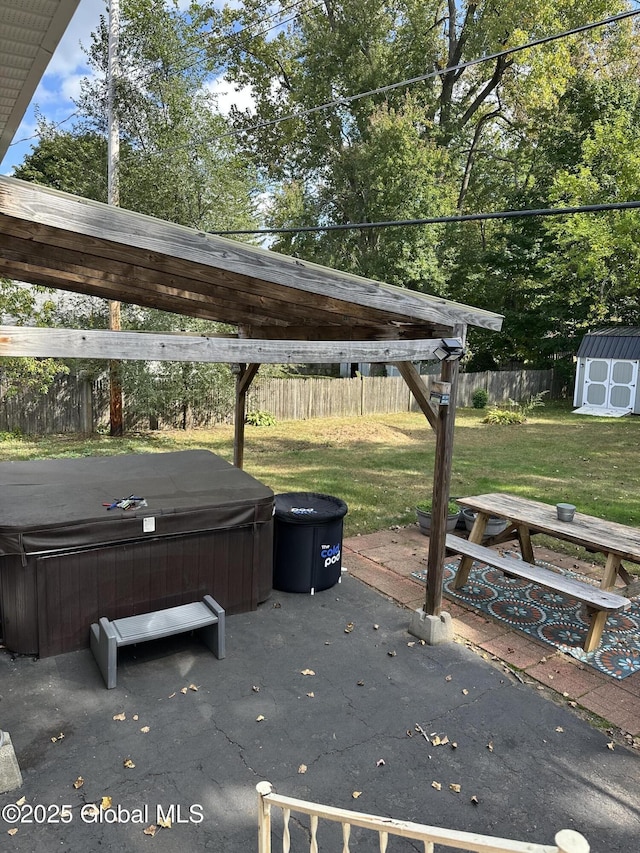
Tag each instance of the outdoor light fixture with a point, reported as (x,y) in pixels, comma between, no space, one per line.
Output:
(449,349)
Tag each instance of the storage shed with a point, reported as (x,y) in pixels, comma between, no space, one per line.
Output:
(607,373)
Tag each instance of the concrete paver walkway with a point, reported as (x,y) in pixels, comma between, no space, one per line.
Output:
(385,561)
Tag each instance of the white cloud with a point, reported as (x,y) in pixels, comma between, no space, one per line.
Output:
(227,96)
(69,55)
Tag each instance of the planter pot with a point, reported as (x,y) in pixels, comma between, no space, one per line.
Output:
(494,526)
(424,521)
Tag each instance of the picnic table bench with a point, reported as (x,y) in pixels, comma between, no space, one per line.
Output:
(599,603)
(206,616)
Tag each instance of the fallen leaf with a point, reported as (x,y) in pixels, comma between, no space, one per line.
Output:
(12,831)
(184,690)
(559,729)
(436,741)
(91,810)
(490,746)
(259,718)
(128,763)
(375,627)
(135,718)
(391,654)
(411,643)
(165,823)
(437,786)
(171,695)
(465,692)
(311,695)
(56,738)
(307,672)
(145,729)
(302,768)
(21,801)
(448,677)
(193,687)
(120,716)
(78,783)
(611,745)
(356,794)
(475,800)
(150,830)
(380,762)
(105,803)
(348,628)
(455,788)
(361,683)
(454,745)
(255,688)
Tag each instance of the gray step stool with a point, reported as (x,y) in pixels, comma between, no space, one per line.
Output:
(206,617)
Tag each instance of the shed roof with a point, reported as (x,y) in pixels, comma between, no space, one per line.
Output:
(621,342)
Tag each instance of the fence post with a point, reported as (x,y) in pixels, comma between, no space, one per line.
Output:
(264,818)
(570,841)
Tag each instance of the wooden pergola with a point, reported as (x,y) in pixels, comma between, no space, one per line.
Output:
(286,311)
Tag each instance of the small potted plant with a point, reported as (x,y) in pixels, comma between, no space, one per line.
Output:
(423,513)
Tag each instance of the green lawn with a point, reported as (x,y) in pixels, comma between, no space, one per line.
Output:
(382,466)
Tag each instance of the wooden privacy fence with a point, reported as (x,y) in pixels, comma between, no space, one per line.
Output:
(566,841)
(77,405)
(303,398)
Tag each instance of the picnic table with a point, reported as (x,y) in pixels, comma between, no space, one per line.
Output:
(525,518)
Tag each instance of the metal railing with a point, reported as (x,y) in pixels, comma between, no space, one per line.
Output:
(566,840)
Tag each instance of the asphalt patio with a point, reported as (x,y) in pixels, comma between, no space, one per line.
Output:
(329,698)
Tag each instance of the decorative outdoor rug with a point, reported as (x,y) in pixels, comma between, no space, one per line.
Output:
(549,616)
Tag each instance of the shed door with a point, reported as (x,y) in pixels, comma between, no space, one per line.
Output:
(610,383)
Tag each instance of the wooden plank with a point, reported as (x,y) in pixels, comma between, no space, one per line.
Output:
(441,480)
(608,537)
(98,343)
(165,286)
(591,595)
(418,389)
(50,209)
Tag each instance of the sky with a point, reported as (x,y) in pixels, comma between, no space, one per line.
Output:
(61,84)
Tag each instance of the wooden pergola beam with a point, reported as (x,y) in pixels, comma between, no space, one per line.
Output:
(104,344)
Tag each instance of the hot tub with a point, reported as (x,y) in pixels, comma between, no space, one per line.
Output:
(66,560)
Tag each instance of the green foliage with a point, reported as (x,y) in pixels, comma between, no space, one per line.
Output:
(427,506)
(260,419)
(518,411)
(503,417)
(480,398)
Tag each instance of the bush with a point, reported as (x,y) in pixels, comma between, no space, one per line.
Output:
(503,416)
(260,418)
(517,411)
(480,398)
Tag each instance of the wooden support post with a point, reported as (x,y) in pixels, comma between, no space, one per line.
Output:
(441,481)
(244,377)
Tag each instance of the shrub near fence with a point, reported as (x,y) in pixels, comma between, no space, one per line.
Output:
(76,405)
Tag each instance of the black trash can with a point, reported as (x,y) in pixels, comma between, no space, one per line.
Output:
(307,541)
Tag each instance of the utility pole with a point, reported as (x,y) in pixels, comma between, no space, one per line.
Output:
(113,197)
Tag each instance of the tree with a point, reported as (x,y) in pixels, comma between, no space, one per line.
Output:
(21,304)
(471,138)
(177,163)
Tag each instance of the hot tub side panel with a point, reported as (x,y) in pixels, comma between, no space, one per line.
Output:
(73,590)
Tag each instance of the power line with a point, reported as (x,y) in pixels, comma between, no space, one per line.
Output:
(342,101)
(443,220)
